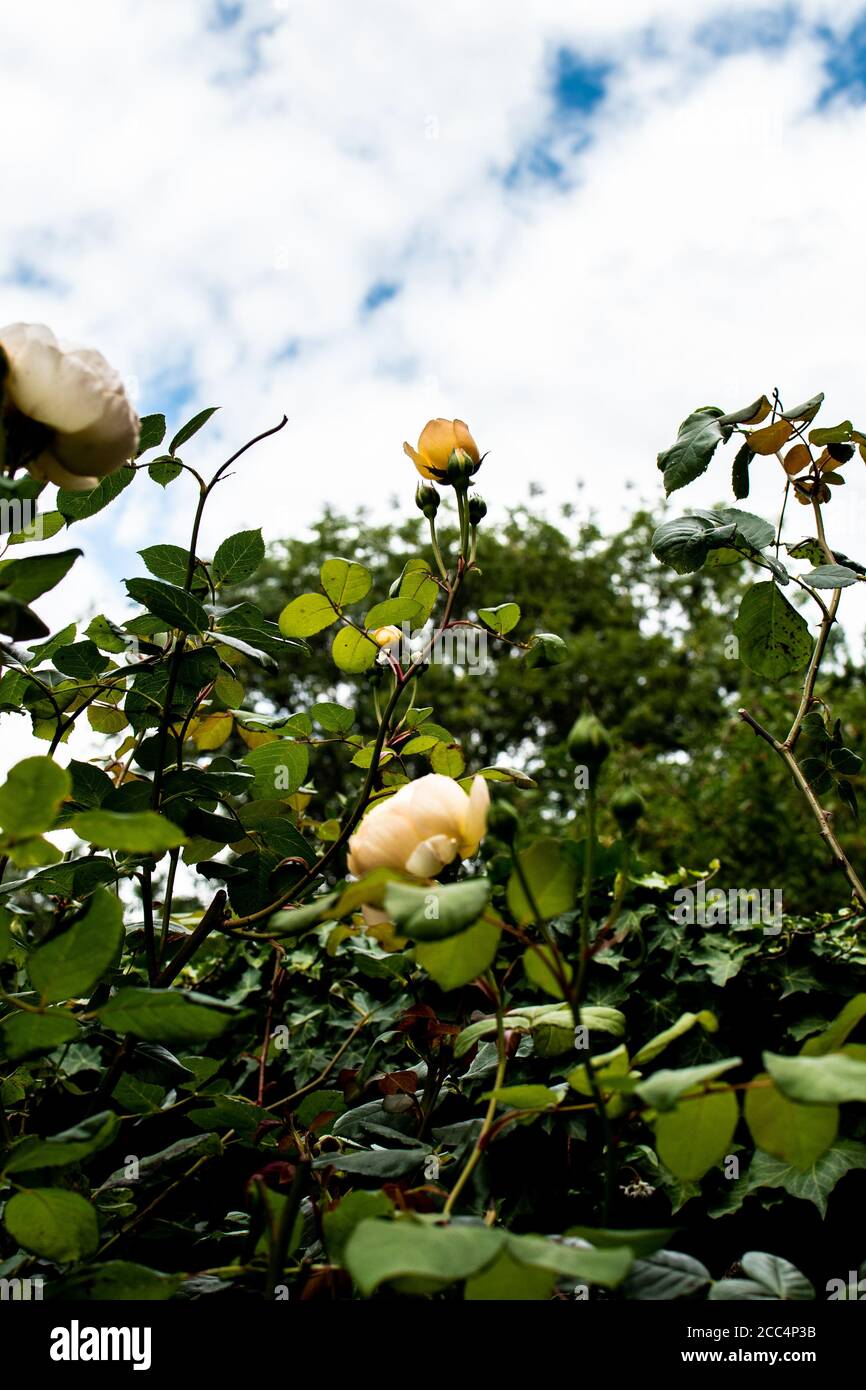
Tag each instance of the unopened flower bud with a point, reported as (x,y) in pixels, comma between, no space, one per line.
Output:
(427,500)
(477,509)
(627,806)
(589,743)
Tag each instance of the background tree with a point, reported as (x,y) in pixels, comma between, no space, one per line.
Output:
(647,651)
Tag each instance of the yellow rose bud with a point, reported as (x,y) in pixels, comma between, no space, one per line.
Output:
(421,828)
(439,440)
(389,636)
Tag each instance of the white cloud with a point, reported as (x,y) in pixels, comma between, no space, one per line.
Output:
(200,198)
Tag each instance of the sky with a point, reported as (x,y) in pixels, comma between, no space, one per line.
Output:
(567,224)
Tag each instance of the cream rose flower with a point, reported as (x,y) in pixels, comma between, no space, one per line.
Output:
(421,828)
(90,429)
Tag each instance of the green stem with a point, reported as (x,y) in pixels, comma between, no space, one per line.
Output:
(487,1123)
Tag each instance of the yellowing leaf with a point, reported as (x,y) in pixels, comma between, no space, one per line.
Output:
(212,731)
(770,439)
(797,459)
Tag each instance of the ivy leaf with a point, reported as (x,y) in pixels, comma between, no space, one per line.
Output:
(813,1184)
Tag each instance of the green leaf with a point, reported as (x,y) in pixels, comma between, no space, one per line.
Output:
(665,1088)
(380,1252)
(140,832)
(782,1279)
(507,1279)
(345,581)
(30,797)
(191,427)
(697,439)
(166,1015)
(339,1223)
(684,543)
(812,1185)
(71,1146)
(392,612)
(26,579)
(538,968)
(120,1281)
(684,1024)
(334,719)
(774,638)
(169,562)
(461,958)
(831,434)
(68,966)
(828,1080)
(435,912)
(799,1134)
(306,615)
(151,434)
(53,1223)
(353,652)
(833,1037)
(526,1097)
(608,1267)
(666,1275)
(168,602)
(551,873)
(500,619)
(80,660)
(807,411)
(830,577)
(545,650)
(418,584)
(280,768)
(238,557)
(26,1034)
(164,470)
(697,1135)
(641,1241)
(77,506)
(18,621)
(447,759)
(49,525)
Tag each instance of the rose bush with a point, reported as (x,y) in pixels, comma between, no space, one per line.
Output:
(374,1047)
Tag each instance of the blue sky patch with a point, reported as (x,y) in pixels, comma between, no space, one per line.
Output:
(379,293)
(845,64)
